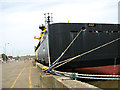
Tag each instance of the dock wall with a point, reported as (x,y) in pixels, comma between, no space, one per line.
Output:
(53,81)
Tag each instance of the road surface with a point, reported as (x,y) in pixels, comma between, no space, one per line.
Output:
(20,75)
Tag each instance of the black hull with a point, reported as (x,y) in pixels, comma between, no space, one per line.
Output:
(60,35)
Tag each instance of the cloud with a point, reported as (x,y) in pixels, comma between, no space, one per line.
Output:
(97,12)
(31,1)
(19,19)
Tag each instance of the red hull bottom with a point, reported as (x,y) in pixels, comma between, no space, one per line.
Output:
(108,70)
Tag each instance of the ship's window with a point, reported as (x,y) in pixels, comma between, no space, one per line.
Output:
(43,49)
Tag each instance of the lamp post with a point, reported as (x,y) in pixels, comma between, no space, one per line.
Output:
(5,51)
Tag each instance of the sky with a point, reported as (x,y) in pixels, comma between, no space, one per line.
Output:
(20,19)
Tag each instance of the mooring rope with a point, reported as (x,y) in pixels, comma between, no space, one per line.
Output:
(57,60)
(70,59)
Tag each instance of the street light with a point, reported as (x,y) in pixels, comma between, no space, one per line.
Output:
(5,51)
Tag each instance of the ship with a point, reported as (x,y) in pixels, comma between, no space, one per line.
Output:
(56,37)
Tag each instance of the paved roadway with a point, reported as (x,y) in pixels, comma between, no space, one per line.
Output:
(20,75)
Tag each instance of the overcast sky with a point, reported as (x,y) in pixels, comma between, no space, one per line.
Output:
(20,19)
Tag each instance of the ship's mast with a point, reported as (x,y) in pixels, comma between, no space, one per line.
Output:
(48,18)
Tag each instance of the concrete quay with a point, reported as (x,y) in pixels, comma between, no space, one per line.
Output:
(54,81)
(24,75)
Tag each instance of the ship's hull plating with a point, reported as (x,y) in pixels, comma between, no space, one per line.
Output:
(103,61)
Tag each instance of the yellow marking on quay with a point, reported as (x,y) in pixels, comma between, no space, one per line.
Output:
(17,78)
(30,82)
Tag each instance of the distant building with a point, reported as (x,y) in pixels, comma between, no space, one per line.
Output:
(10,57)
(27,57)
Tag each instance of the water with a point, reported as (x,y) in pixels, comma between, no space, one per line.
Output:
(105,84)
